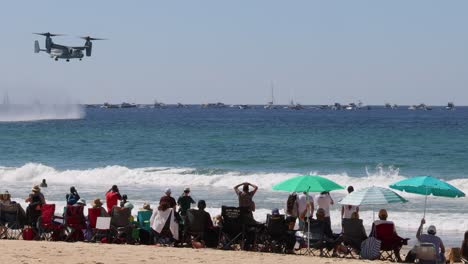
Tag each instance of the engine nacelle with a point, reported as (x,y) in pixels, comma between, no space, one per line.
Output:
(89,48)
(48,44)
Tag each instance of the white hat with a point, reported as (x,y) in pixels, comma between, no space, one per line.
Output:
(81,201)
(431,230)
(168,190)
(128,205)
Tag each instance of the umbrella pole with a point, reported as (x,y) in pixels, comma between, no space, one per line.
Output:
(425,204)
(308,222)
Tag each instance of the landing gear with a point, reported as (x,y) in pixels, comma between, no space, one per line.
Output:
(56,59)
(68,60)
(80,59)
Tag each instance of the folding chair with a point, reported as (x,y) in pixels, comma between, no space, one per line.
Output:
(75,222)
(353,235)
(194,226)
(143,218)
(12,219)
(232,228)
(102,229)
(50,227)
(390,241)
(277,232)
(120,225)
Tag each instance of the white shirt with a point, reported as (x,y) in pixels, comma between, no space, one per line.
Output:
(324,201)
(302,203)
(348,210)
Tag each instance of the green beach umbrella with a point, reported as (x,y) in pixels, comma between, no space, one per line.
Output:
(307,183)
(427,185)
(372,196)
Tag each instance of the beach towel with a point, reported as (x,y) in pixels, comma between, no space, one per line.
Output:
(370,248)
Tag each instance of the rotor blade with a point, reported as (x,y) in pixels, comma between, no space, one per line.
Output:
(48,34)
(91,38)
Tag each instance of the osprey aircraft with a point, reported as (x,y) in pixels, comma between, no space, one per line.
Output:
(58,51)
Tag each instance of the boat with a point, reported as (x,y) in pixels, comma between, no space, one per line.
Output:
(180,105)
(158,104)
(107,105)
(271,104)
(127,105)
(242,107)
(450,106)
(214,105)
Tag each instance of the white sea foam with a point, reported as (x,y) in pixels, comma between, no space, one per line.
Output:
(35,112)
(174,176)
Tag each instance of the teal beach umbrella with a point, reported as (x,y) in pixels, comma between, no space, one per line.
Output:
(307,183)
(427,185)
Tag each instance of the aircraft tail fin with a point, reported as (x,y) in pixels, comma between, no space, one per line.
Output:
(36,47)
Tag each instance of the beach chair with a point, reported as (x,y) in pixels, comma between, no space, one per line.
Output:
(391,242)
(426,253)
(102,230)
(75,223)
(232,227)
(353,235)
(316,237)
(49,226)
(143,218)
(194,226)
(12,219)
(121,229)
(277,234)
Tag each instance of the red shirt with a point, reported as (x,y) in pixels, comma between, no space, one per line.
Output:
(112,198)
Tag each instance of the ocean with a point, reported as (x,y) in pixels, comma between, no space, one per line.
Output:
(145,150)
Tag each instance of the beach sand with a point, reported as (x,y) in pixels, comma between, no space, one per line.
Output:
(17,251)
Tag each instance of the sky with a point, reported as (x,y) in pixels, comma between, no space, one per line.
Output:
(315,52)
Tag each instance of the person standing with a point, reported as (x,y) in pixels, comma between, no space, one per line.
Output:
(168,199)
(73,196)
(112,198)
(184,202)
(325,201)
(246,196)
(348,210)
(305,207)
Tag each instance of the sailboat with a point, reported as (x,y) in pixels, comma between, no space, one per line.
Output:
(271,104)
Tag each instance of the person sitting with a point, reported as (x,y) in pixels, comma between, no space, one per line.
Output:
(333,240)
(464,248)
(112,197)
(80,202)
(353,231)
(395,241)
(164,224)
(431,237)
(72,197)
(5,198)
(98,204)
(35,199)
(184,202)
(211,233)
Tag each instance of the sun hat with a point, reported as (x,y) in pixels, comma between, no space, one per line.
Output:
(36,188)
(186,189)
(96,203)
(431,230)
(146,206)
(81,201)
(168,191)
(128,205)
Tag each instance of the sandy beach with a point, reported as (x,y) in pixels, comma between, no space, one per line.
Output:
(14,251)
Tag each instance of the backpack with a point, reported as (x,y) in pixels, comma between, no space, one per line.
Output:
(370,248)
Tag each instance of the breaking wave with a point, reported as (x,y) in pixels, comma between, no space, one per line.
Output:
(36,112)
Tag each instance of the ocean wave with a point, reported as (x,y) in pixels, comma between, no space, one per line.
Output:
(180,176)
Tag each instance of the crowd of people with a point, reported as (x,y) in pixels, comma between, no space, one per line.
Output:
(299,207)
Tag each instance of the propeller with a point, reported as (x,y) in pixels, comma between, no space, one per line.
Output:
(48,34)
(89,38)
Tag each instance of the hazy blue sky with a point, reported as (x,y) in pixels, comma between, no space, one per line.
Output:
(318,52)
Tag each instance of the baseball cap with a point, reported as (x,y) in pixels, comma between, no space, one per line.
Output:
(168,190)
(275,211)
(431,230)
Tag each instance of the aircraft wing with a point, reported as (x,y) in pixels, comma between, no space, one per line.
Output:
(62,47)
